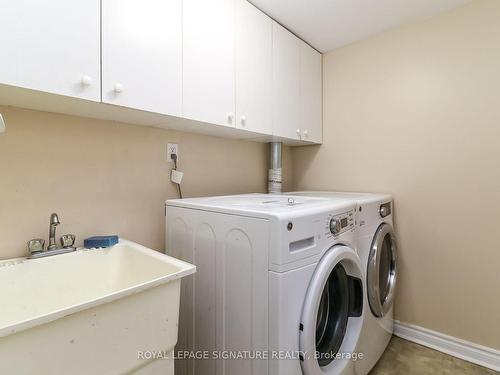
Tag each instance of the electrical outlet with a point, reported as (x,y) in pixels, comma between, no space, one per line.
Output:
(172,148)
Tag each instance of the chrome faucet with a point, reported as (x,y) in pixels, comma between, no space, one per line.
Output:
(36,246)
(54,222)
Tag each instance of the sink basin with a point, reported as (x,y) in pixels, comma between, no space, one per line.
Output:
(91,311)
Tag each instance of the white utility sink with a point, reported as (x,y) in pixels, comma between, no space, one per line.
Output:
(90,311)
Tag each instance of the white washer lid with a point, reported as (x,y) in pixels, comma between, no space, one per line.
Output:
(263,204)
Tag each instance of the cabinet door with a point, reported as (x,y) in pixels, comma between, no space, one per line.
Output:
(310,94)
(286,83)
(142,54)
(254,66)
(51,46)
(208,61)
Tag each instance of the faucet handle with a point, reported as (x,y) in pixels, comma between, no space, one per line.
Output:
(36,245)
(67,240)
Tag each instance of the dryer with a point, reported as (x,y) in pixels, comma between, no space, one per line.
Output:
(377,248)
(277,278)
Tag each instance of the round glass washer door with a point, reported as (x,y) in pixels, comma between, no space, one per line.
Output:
(381,274)
(331,315)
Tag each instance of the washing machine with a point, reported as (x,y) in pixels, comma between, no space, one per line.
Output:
(377,248)
(278,288)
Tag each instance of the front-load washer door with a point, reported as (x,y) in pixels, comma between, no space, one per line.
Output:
(332,313)
(382,271)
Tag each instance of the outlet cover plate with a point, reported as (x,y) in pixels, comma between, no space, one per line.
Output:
(172,148)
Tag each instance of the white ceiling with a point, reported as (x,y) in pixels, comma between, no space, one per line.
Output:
(328,24)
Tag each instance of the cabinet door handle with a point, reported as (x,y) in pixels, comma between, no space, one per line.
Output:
(306,133)
(86,81)
(243,120)
(298,133)
(118,88)
(230,117)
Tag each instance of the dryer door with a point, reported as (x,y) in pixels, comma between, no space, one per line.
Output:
(332,313)
(382,270)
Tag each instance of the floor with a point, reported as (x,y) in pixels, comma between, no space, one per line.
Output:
(404,357)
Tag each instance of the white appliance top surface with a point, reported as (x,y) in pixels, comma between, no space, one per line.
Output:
(264,204)
(344,195)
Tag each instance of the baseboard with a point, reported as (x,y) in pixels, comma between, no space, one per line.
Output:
(466,350)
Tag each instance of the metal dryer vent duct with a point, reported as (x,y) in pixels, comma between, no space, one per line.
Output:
(274,180)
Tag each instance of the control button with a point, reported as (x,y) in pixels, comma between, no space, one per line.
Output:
(335,226)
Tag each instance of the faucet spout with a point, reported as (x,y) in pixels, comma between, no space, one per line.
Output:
(54,221)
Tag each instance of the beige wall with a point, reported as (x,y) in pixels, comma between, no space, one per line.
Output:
(104,177)
(416,112)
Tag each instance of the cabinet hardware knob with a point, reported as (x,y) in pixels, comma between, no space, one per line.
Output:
(86,81)
(118,88)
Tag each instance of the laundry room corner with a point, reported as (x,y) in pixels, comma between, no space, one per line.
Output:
(412,112)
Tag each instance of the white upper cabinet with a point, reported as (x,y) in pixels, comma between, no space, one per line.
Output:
(51,46)
(142,54)
(310,94)
(254,45)
(221,62)
(208,61)
(286,83)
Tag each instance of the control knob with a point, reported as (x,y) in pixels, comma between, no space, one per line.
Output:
(335,226)
(385,210)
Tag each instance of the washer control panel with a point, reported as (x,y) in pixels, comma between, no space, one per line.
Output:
(340,223)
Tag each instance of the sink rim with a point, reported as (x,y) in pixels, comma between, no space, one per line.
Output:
(185,269)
